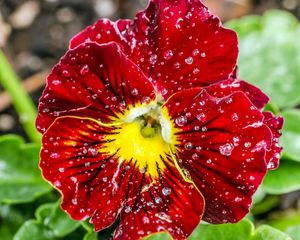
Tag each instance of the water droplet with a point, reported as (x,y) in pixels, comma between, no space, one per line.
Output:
(271,165)
(98,36)
(166,191)
(188,146)
(157,200)
(153,58)
(127,209)
(226,149)
(66,73)
(61,169)
(209,161)
(74,201)
(168,54)
(54,155)
(196,52)
(201,117)
(177,65)
(189,60)
(92,151)
(203,54)
(104,179)
(195,156)
(135,92)
(196,71)
(238,199)
(181,121)
(85,69)
(56,82)
(247,144)
(234,117)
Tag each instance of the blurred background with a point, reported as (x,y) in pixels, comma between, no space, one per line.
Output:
(34,34)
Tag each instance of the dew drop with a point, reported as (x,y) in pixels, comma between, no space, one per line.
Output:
(196,52)
(226,149)
(201,117)
(234,117)
(168,54)
(104,179)
(56,82)
(85,69)
(247,144)
(66,73)
(153,58)
(127,209)
(203,54)
(74,201)
(61,169)
(188,146)
(54,155)
(196,71)
(157,200)
(135,92)
(181,121)
(166,191)
(189,60)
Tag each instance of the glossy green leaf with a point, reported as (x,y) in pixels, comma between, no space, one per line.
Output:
(268,233)
(90,236)
(290,139)
(50,223)
(20,177)
(244,230)
(294,232)
(269,54)
(283,180)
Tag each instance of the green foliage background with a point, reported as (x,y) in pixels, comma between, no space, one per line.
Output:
(269,58)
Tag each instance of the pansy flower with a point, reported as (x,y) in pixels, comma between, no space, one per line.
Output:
(145,121)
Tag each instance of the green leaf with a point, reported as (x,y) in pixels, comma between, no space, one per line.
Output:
(90,236)
(244,230)
(265,232)
(239,231)
(283,180)
(20,177)
(294,232)
(269,54)
(51,223)
(290,139)
(33,230)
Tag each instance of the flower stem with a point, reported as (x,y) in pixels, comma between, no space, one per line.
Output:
(21,100)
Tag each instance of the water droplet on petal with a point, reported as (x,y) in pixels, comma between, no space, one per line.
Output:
(135,92)
(196,71)
(61,169)
(226,149)
(54,155)
(153,58)
(166,191)
(168,54)
(181,121)
(56,82)
(85,69)
(189,60)
(247,144)
(188,146)
(201,117)
(234,117)
(66,73)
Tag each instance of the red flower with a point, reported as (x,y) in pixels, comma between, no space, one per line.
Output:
(146,120)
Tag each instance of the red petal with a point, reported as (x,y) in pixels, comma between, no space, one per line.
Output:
(275,124)
(95,81)
(170,204)
(76,159)
(179,44)
(227,87)
(222,144)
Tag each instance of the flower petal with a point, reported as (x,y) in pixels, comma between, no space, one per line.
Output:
(273,154)
(96,81)
(227,87)
(77,157)
(178,44)
(222,145)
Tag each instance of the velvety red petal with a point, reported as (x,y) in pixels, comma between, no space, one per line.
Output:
(178,44)
(222,144)
(95,183)
(95,81)
(273,154)
(227,87)
(170,204)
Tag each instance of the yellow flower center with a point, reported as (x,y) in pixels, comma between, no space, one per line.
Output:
(143,141)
